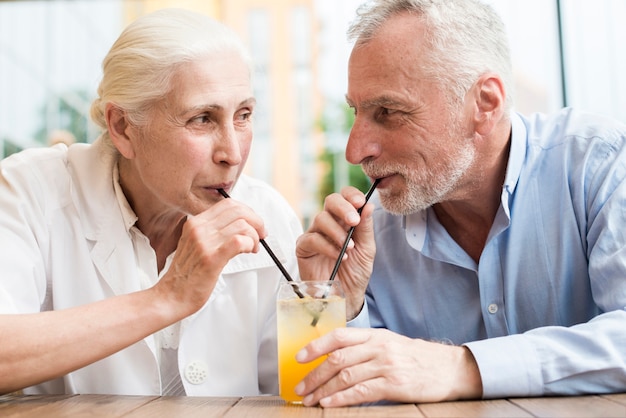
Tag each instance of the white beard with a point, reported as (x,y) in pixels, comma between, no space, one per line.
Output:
(425,186)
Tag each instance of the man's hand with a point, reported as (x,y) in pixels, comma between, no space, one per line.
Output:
(369,365)
(319,247)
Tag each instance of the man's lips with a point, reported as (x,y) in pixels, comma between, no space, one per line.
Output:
(382,180)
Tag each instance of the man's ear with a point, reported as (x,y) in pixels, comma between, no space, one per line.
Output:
(119,130)
(489,99)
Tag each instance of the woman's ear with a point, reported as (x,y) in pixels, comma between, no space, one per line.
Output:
(120,130)
(490,97)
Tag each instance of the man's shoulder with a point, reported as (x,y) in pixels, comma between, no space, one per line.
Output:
(571,123)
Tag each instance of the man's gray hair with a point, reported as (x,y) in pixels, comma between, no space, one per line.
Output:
(466,38)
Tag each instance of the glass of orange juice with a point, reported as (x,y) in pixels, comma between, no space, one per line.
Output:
(305,311)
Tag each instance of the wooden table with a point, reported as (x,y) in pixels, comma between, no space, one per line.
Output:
(270,406)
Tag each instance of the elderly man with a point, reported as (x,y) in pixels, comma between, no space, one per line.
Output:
(495,256)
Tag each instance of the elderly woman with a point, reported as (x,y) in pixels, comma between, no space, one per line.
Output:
(123,270)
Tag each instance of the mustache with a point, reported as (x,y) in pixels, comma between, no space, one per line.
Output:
(377,171)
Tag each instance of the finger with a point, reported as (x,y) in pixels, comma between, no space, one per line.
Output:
(313,244)
(363,373)
(372,390)
(367,211)
(325,237)
(229,210)
(341,369)
(240,237)
(344,209)
(334,340)
(222,239)
(331,228)
(353,195)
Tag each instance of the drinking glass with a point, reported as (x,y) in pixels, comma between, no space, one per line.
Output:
(305,311)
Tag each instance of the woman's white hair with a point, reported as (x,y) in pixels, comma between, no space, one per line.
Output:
(466,39)
(140,64)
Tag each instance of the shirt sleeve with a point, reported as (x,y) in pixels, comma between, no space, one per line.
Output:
(362,319)
(22,238)
(586,358)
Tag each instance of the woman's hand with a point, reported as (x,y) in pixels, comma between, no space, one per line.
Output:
(208,241)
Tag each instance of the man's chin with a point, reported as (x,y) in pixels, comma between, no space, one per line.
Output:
(396,205)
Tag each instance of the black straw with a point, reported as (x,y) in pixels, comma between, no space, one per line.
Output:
(272,255)
(351,231)
(345,246)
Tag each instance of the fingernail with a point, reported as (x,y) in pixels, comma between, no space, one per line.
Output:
(308,400)
(301,356)
(299,388)
(353,218)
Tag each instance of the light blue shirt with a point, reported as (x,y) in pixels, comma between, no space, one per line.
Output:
(544,310)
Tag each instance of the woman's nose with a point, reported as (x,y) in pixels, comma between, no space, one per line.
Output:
(227,147)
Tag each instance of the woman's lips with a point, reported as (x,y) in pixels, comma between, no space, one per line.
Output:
(223,186)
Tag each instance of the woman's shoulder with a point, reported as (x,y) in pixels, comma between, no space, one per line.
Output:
(39,168)
(266,201)
(252,190)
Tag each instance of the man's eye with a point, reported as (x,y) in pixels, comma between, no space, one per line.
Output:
(387,111)
(383,112)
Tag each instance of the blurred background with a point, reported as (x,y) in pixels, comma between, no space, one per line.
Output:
(565,53)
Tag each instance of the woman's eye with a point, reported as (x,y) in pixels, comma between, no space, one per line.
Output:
(244,116)
(201,119)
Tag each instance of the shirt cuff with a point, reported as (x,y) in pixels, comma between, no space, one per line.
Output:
(362,320)
(508,366)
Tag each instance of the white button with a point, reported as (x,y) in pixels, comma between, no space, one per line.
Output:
(493,308)
(196,372)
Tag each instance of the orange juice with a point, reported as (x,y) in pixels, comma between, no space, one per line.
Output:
(295,318)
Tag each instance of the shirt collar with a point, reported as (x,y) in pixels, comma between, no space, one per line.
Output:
(517,155)
(415,224)
(128,215)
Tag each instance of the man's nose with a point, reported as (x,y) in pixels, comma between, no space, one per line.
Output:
(363,142)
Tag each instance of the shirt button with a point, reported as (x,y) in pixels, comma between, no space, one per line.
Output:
(493,308)
(196,372)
